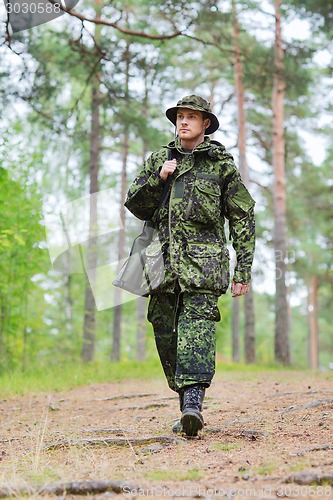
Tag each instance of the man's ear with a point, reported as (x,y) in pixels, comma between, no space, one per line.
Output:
(207,123)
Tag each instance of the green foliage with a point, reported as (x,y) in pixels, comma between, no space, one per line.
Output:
(42,377)
(223,327)
(311,212)
(319,12)
(45,141)
(21,260)
(61,376)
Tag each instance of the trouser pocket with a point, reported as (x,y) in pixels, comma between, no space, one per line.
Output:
(154,265)
(196,342)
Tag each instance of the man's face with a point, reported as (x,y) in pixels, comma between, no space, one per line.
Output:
(190,124)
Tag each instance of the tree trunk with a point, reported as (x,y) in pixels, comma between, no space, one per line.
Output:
(282,349)
(313,322)
(235,330)
(117,311)
(141,329)
(68,297)
(250,339)
(142,302)
(67,274)
(212,100)
(89,326)
(250,355)
(2,332)
(88,347)
(25,298)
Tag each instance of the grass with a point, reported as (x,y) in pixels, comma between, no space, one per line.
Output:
(74,374)
(267,468)
(174,475)
(226,446)
(69,375)
(299,466)
(270,467)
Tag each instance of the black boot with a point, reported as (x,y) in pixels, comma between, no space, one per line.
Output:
(192,420)
(177,426)
(181,399)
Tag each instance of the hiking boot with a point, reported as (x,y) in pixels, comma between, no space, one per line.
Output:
(192,420)
(181,399)
(177,426)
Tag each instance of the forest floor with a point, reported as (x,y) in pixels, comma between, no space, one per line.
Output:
(267,435)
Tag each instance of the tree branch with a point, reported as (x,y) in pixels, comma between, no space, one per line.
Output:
(125,31)
(8,37)
(206,42)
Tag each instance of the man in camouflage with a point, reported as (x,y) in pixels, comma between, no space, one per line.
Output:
(187,261)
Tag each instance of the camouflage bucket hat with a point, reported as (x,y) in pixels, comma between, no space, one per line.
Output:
(196,103)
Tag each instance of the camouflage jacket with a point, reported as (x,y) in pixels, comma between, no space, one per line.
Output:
(189,242)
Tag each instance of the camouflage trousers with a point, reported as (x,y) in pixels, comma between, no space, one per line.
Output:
(185,335)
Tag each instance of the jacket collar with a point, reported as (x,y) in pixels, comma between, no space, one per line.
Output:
(203,146)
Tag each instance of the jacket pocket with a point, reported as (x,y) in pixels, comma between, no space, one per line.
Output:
(204,203)
(241,202)
(208,267)
(153,264)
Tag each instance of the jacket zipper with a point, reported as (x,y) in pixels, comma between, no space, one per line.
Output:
(175,313)
(170,199)
(190,203)
(170,234)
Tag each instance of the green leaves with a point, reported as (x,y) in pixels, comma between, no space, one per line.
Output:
(9,238)
(44,137)
(21,259)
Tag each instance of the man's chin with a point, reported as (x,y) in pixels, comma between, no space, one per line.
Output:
(185,134)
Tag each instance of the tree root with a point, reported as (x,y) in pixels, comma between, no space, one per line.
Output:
(125,396)
(305,478)
(322,447)
(115,442)
(253,435)
(313,404)
(108,431)
(143,407)
(298,393)
(69,488)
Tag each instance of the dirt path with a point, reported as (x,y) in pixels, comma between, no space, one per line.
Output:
(261,430)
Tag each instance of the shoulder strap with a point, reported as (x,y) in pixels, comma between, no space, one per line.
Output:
(166,185)
(217,143)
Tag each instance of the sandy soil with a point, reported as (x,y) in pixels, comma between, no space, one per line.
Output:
(261,431)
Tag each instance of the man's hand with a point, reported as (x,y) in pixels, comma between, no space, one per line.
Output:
(238,289)
(168,168)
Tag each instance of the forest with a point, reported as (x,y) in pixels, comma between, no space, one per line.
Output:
(83,100)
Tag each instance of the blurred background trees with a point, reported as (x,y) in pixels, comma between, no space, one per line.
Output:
(83,105)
